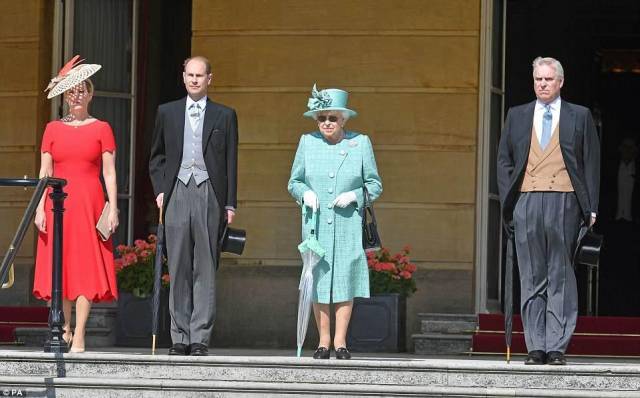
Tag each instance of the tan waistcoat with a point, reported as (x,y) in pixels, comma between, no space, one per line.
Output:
(546,170)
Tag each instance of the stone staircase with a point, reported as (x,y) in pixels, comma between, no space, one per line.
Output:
(444,334)
(135,375)
(100,330)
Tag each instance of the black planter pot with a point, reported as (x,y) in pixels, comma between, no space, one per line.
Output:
(133,326)
(378,324)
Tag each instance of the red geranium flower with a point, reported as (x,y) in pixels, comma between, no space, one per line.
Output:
(135,267)
(391,273)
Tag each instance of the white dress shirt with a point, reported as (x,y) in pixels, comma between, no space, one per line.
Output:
(539,112)
(202,102)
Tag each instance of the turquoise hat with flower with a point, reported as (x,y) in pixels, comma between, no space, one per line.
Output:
(329,99)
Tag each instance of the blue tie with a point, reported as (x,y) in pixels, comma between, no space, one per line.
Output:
(546,127)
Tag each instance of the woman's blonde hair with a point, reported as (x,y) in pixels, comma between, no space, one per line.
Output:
(90,86)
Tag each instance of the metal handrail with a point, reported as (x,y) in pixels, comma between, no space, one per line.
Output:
(55,343)
(41,185)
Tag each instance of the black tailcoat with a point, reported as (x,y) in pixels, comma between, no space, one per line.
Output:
(219,149)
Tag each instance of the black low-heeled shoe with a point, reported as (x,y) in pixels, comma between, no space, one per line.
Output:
(198,350)
(179,349)
(536,357)
(342,353)
(322,353)
(556,358)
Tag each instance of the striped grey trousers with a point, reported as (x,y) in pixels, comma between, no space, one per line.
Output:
(546,229)
(191,229)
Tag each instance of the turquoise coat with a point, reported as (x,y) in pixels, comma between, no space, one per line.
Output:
(329,170)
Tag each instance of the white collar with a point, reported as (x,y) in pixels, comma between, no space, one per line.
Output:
(555,104)
(202,102)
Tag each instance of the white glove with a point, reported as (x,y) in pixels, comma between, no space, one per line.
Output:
(310,199)
(344,199)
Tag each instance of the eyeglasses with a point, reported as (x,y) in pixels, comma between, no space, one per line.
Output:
(322,118)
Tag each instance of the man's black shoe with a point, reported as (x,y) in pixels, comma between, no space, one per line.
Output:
(179,349)
(536,357)
(199,350)
(321,353)
(556,358)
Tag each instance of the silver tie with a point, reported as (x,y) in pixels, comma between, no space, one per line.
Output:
(195,111)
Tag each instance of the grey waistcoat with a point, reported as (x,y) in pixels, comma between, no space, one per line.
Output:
(192,158)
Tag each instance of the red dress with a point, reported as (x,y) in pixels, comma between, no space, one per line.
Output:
(87,261)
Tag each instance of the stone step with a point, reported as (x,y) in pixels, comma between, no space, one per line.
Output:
(35,337)
(431,316)
(100,329)
(447,326)
(101,317)
(441,343)
(106,388)
(135,375)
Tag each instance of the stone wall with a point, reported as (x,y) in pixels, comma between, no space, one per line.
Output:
(25,69)
(411,69)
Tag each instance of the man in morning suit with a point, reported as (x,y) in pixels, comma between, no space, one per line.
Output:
(549,180)
(193,169)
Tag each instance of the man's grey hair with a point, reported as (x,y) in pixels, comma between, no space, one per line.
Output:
(552,62)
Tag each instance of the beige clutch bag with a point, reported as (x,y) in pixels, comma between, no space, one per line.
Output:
(103,223)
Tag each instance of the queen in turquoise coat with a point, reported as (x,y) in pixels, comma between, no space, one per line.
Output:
(330,170)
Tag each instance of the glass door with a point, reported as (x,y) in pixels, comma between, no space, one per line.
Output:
(488,285)
(105,32)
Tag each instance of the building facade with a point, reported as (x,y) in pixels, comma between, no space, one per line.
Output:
(425,77)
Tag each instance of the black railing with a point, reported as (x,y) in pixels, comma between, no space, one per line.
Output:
(55,342)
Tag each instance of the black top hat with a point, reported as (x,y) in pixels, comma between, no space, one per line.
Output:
(232,240)
(588,248)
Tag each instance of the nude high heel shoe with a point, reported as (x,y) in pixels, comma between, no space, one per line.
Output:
(76,349)
(70,334)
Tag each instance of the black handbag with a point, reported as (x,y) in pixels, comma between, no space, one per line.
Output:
(370,237)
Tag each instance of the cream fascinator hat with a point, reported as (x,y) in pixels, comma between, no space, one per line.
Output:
(71,74)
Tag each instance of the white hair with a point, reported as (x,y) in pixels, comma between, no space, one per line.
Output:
(552,62)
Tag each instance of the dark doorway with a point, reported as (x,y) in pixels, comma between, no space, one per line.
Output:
(620,220)
(164,43)
(598,44)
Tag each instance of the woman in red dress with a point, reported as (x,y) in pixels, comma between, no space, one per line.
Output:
(77,148)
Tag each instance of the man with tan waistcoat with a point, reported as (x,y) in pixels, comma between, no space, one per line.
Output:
(549,181)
